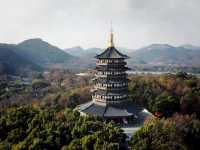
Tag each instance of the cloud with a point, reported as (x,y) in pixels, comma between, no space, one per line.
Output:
(69,23)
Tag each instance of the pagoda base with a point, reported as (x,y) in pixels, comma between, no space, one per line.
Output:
(124,110)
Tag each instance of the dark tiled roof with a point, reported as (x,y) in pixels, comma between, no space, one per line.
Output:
(116,112)
(123,110)
(93,109)
(111,52)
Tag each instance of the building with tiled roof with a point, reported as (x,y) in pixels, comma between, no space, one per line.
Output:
(110,92)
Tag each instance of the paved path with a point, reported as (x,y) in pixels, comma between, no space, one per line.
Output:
(131,129)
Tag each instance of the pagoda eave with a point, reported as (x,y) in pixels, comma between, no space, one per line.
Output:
(124,110)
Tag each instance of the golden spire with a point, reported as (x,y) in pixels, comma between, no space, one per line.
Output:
(111,42)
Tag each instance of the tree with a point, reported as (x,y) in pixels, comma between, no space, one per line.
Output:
(40,128)
(165,104)
(39,83)
(179,132)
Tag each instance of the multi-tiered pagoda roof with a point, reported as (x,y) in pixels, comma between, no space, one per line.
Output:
(110,92)
(111,53)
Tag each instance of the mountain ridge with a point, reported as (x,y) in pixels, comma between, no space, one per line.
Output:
(37,52)
(154,54)
(42,53)
(12,63)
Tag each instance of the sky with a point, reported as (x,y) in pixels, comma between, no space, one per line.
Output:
(86,23)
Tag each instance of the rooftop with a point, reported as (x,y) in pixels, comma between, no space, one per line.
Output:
(124,110)
(112,53)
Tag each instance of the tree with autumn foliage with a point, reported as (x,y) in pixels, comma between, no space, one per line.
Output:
(179,132)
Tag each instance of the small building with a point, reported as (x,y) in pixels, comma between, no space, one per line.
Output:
(110,98)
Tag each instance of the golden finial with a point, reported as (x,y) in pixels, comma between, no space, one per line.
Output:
(111,42)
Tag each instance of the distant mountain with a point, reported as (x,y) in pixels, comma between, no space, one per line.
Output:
(12,63)
(154,55)
(36,54)
(43,53)
(75,51)
(164,54)
(90,52)
(80,52)
(192,47)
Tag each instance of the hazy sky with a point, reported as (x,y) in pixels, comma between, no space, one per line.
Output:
(68,23)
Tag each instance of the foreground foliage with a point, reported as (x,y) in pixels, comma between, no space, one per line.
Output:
(31,128)
(177,133)
(167,94)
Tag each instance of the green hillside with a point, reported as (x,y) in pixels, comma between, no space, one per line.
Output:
(12,63)
(42,53)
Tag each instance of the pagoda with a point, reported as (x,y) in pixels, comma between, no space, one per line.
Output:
(110,98)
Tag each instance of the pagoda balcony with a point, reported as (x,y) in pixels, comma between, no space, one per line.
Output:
(113,73)
(120,77)
(111,64)
(116,68)
(112,81)
(111,85)
(111,88)
(104,101)
(109,96)
(95,98)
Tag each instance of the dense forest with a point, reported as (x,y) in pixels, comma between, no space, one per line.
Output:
(26,127)
(180,132)
(167,94)
(40,116)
